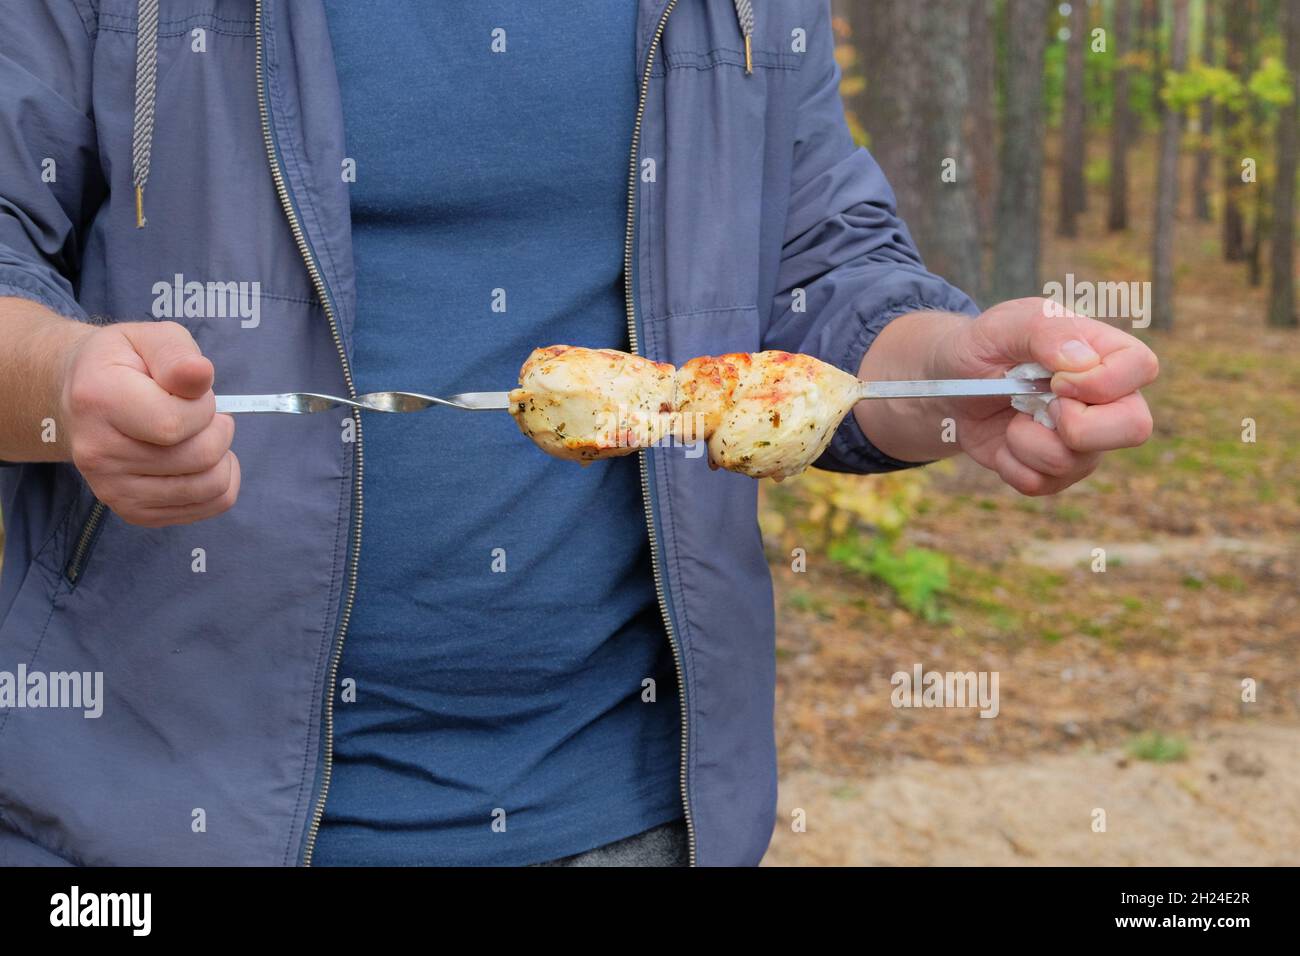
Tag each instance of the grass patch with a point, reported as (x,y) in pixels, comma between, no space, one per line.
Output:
(808,604)
(917,576)
(1229,582)
(1092,629)
(1070,513)
(1042,586)
(1155,747)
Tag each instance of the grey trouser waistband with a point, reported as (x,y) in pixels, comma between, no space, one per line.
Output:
(665,845)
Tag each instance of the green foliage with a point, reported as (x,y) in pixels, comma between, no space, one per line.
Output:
(1098,69)
(819,507)
(1142,91)
(858,522)
(1054,82)
(1184,91)
(1097,171)
(1098,82)
(1271,83)
(917,575)
(1157,748)
(1256,104)
(1269,86)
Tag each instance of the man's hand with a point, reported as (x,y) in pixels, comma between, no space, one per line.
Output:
(1098,372)
(137,405)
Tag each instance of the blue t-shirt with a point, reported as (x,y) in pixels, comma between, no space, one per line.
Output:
(506,618)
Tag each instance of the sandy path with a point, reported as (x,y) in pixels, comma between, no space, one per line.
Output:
(1235,800)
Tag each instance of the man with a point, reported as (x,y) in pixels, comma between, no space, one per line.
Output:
(501,658)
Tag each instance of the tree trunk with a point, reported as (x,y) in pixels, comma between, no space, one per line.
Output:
(1020,164)
(1094,16)
(889,113)
(1149,40)
(1121,124)
(1259,189)
(917,100)
(1237,17)
(1162,253)
(1258,226)
(950,222)
(1073,136)
(1205,150)
(982,128)
(1281,293)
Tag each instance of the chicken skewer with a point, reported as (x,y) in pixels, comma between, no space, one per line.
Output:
(763,414)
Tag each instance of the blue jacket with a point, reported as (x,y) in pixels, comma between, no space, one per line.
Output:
(756,223)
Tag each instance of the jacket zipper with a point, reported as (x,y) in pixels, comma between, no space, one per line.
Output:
(78,559)
(322,293)
(629,299)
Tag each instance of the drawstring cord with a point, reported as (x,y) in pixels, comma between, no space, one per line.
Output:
(146,78)
(745,17)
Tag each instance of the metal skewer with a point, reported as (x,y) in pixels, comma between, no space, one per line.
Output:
(959,387)
(305,403)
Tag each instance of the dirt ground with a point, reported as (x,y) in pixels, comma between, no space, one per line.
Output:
(1231,802)
(1202,538)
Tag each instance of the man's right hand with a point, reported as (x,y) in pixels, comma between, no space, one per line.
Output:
(137,406)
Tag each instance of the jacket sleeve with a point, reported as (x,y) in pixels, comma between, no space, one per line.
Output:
(846,248)
(50,179)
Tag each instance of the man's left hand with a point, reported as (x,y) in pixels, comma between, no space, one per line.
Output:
(1098,371)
